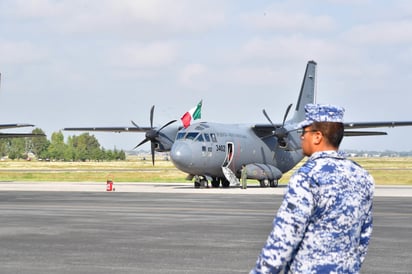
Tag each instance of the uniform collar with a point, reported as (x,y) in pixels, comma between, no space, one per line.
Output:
(328,154)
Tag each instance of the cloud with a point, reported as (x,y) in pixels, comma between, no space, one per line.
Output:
(284,21)
(381,33)
(149,55)
(34,9)
(20,53)
(139,18)
(291,48)
(181,16)
(193,76)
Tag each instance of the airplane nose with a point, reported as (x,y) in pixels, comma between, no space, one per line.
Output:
(181,156)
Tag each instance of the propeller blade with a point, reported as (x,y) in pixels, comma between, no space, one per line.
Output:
(151,116)
(135,124)
(141,143)
(280,131)
(171,122)
(152,134)
(152,148)
(286,114)
(267,116)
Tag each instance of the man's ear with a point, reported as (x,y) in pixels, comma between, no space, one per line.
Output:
(317,137)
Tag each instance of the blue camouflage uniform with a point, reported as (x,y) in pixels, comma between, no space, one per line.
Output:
(324,223)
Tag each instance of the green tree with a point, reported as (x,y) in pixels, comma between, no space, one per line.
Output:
(17,149)
(5,144)
(57,146)
(39,145)
(86,147)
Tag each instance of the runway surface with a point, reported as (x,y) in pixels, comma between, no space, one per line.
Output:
(382,190)
(165,228)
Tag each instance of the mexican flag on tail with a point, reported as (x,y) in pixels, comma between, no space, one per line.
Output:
(192,114)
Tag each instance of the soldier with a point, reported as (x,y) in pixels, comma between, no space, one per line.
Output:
(324,223)
(243,177)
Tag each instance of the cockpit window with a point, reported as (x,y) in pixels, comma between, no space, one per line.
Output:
(200,138)
(180,135)
(196,136)
(192,135)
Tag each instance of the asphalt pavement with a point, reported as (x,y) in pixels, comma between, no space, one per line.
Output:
(164,228)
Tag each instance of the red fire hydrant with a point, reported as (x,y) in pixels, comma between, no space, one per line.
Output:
(109,183)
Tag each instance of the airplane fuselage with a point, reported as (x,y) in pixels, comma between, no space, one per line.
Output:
(203,148)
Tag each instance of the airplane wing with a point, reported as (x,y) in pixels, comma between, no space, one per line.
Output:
(3,126)
(19,135)
(264,130)
(109,129)
(349,133)
(357,125)
(353,125)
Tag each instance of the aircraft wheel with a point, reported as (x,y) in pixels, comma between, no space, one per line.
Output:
(215,182)
(197,184)
(225,183)
(274,183)
(204,183)
(263,183)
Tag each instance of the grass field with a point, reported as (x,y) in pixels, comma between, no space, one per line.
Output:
(386,171)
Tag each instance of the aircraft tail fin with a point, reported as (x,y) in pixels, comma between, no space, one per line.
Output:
(307,92)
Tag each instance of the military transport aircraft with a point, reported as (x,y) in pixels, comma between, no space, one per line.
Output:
(216,153)
(17,135)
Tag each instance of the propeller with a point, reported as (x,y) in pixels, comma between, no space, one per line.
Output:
(152,134)
(280,132)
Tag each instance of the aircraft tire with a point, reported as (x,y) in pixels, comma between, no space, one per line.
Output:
(215,182)
(204,183)
(225,183)
(263,183)
(274,183)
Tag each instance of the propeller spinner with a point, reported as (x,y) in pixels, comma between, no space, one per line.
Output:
(152,134)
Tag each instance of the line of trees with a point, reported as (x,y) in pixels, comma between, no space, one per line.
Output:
(84,147)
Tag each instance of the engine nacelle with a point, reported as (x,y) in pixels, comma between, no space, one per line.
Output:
(263,171)
(165,139)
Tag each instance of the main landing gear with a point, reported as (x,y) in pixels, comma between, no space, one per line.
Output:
(202,182)
(267,182)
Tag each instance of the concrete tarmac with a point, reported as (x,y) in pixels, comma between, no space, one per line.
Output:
(381,190)
(165,228)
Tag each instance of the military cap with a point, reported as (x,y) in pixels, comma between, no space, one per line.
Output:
(322,113)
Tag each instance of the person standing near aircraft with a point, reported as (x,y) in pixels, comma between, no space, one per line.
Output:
(243,177)
(324,223)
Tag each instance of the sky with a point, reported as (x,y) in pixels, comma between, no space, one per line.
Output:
(104,63)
